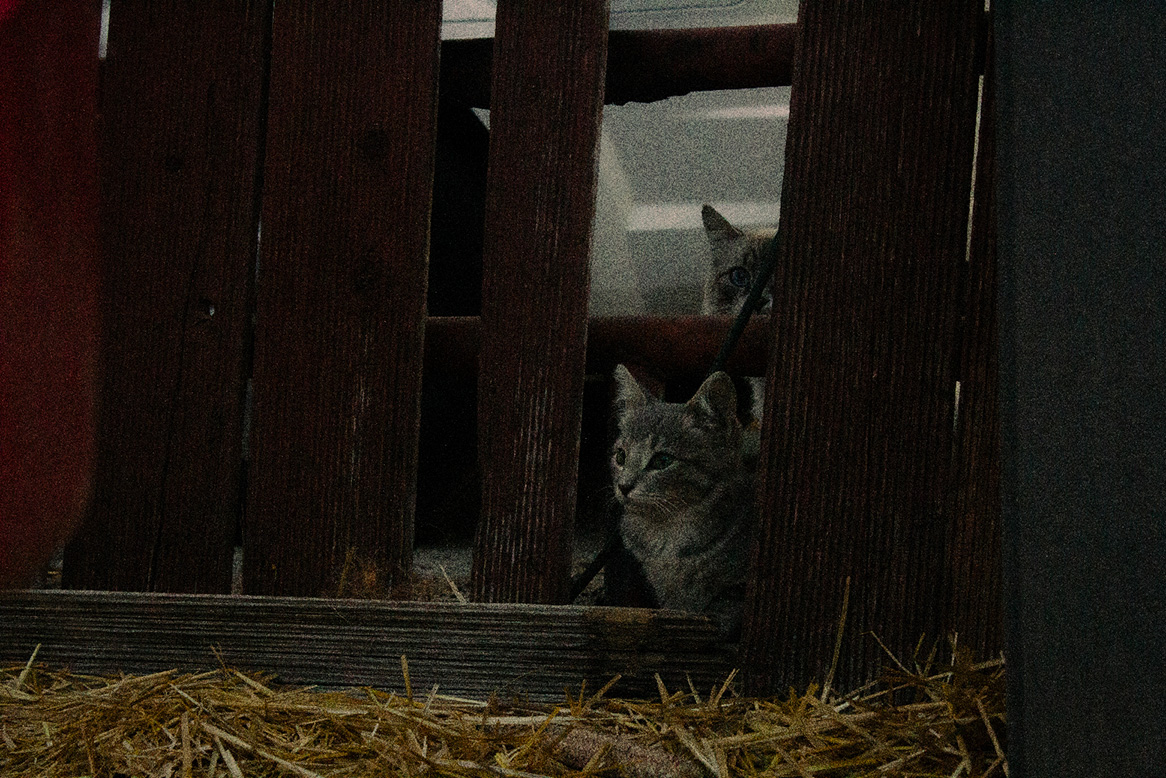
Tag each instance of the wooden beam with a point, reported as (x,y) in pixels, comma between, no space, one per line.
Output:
(179,149)
(648,65)
(540,198)
(341,292)
(471,650)
(855,470)
(671,346)
(675,347)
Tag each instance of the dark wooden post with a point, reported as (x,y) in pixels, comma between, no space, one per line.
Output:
(974,582)
(1082,190)
(549,61)
(341,293)
(856,459)
(180,112)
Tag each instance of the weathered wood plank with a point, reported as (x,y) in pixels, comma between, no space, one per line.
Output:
(857,435)
(49,277)
(545,112)
(178,153)
(341,295)
(467,650)
(648,65)
(975,596)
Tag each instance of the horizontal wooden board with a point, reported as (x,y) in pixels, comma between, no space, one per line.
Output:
(469,650)
(648,65)
(675,346)
(672,346)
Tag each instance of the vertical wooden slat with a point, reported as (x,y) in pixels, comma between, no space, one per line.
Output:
(547,98)
(341,292)
(976,609)
(180,120)
(48,277)
(855,465)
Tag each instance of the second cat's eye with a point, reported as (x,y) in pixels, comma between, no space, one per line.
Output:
(739,277)
(659,461)
(620,456)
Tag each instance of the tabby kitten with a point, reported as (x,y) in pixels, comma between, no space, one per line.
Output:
(687,496)
(735,260)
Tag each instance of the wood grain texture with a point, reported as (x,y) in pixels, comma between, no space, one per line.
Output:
(857,436)
(466,650)
(648,65)
(547,100)
(974,555)
(341,292)
(180,130)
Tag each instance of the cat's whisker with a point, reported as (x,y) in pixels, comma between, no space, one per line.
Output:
(663,506)
(685,517)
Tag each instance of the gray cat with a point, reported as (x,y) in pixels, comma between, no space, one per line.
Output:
(735,259)
(687,496)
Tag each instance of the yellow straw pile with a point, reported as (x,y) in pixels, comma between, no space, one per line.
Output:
(931,721)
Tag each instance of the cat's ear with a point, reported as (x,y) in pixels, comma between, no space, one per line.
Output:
(714,404)
(629,395)
(717,227)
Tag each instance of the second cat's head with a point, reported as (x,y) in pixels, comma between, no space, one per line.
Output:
(734,262)
(669,456)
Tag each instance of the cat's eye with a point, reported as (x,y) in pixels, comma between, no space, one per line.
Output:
(620,456)
(659,461)
(739,277)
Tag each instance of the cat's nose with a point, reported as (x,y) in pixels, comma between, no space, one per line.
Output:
(624,489)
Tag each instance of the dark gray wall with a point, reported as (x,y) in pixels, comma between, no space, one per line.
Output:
(1082,193)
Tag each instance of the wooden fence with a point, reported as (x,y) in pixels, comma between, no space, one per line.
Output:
(318,122)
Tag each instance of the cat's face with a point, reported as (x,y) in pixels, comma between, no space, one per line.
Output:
(669,456)
(735,258)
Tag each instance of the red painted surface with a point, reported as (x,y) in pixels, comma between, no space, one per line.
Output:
(6,8)
(48,276)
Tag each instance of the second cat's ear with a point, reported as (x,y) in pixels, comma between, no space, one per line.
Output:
(629,394)
(715,403)
(716,226)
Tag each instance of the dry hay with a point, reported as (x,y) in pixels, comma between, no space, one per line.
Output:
(361,578)
(930,721)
